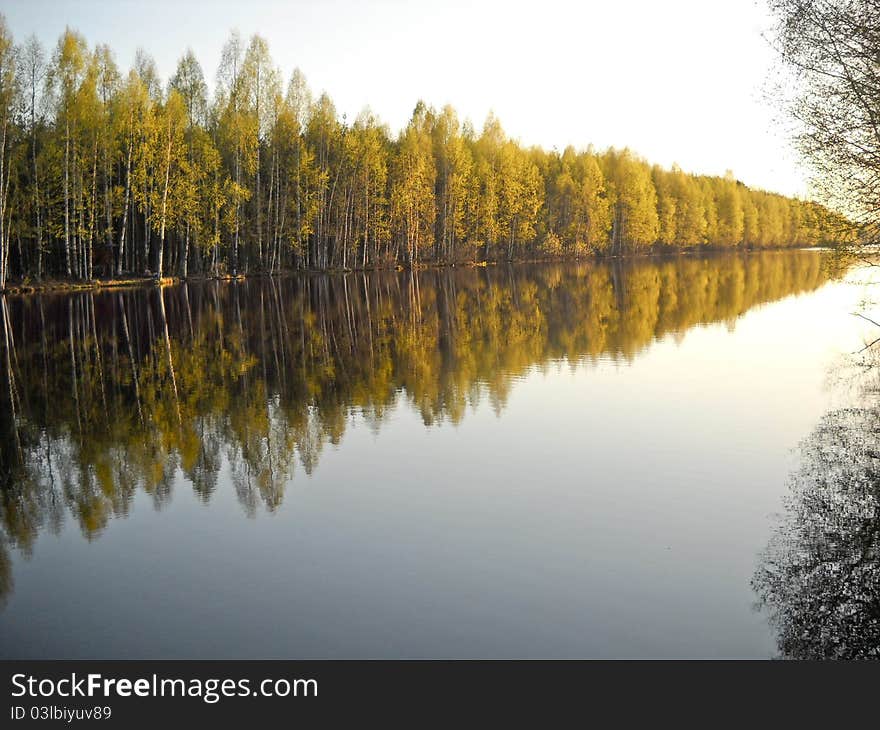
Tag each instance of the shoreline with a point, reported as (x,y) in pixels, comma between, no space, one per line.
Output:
(62,286)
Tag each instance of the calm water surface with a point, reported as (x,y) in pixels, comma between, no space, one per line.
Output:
(584,460)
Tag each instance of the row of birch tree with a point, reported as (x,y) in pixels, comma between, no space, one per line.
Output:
(106,173)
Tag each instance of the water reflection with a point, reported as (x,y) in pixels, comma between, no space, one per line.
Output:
(819,577)
(108,394)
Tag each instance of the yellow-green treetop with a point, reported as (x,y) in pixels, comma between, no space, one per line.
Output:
(106,172)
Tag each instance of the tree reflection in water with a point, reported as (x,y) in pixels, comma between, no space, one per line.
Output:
(108,394)
(819,577)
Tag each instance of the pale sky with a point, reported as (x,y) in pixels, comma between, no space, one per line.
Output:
(677,81)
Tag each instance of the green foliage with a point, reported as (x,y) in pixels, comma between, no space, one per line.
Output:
(125,175)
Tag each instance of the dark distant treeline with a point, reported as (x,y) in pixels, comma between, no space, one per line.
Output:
(104,172)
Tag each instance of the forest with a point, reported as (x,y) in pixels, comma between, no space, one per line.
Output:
(106,173)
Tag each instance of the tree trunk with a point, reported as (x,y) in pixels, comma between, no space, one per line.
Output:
(67,195)
(122,230)
(164,204)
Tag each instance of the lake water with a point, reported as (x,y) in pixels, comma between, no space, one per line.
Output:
(579,460)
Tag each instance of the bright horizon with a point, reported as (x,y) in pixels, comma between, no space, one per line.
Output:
(682,84)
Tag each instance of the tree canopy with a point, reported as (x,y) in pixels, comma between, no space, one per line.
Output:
(105,172)
(831,89)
